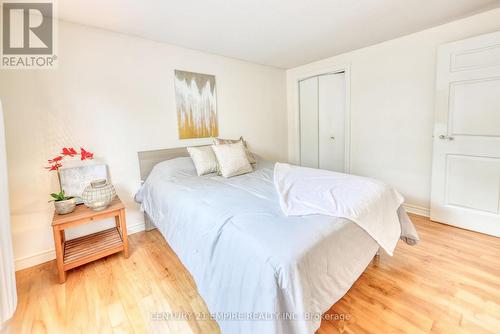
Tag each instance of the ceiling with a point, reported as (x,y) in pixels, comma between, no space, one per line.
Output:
(280,33)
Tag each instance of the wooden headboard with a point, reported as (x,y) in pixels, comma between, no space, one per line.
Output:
(148,159)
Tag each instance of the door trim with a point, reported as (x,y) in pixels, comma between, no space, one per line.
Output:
(294,112)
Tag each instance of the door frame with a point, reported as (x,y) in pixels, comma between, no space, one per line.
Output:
(294,102)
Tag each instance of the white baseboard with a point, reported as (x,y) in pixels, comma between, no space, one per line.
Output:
(418,210)
(50,254)
(33,260)
(136,228)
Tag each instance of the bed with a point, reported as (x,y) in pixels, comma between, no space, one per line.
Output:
(258,270)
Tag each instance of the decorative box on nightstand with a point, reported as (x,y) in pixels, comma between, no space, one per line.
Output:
(76,252)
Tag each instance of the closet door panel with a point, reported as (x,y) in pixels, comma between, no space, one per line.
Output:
(331,120)
(308,106)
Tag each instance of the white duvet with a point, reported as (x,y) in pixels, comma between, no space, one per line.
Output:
(371,204)
(258,270)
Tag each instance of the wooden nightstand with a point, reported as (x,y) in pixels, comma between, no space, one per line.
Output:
(76,252)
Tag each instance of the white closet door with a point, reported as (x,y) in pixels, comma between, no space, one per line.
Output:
(308,106)
(331,120)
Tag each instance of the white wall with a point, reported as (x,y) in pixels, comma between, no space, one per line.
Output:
(392,104)
(114,95)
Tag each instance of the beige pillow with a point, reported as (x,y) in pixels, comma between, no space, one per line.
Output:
(220,141)
(232,159)
(204,159)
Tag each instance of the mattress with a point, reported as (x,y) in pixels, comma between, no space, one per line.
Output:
(257,270)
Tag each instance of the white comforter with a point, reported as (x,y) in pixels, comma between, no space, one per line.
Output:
(369,203)
(254,266)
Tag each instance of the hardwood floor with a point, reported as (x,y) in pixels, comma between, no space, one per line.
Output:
(449,283)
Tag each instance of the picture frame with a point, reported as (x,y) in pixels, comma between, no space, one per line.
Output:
(75,179)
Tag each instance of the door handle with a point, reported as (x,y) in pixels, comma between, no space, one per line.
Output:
(445,137)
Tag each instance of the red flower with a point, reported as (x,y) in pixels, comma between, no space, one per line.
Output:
(55,166)
(55,163)
(69,151)
(86,155)
(56,159)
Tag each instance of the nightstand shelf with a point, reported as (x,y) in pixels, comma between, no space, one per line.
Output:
(91,247)
(79,251)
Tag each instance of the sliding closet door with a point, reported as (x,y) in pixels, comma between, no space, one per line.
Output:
(308,106)
(331,120)
(322,122)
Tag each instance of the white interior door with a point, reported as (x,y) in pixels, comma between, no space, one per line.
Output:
(466,157)
(331,120)
(322,122)
(309,131)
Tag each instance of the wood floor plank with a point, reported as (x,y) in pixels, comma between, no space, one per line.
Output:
(449,283)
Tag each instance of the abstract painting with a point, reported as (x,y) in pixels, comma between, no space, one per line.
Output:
(196,105)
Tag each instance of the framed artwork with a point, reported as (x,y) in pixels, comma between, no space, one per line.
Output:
(196,102)
(75,179)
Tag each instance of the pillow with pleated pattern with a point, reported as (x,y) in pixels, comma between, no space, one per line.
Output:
(232,159)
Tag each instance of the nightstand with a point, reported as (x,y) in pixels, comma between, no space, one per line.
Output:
(79,251)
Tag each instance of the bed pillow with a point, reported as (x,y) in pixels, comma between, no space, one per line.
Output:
(250,156)
(204,159)
(232,159)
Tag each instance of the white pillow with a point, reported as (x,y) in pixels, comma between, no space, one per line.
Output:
(204,159)
(250,156)
(232,159)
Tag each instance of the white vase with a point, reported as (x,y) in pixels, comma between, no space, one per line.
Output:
(98,195)
(66,206)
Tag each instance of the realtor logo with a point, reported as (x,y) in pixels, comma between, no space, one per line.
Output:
(28,35)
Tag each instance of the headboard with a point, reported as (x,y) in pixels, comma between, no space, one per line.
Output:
(148,159)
